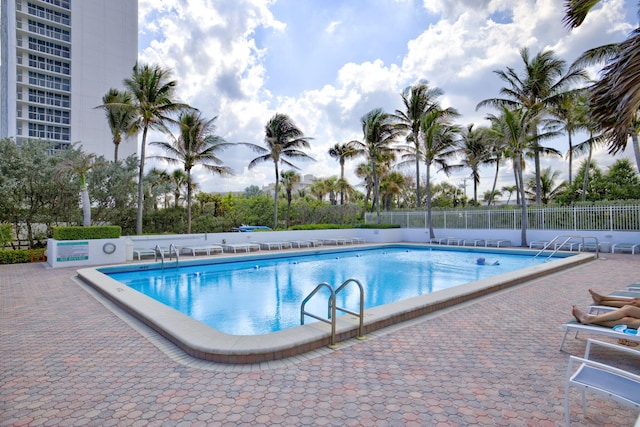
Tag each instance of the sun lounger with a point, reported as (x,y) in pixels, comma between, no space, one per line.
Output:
(625,247)
(208,249)
(275,245)
(538,244)
(337,241)
(576,327)
(357,240)
(472,242)
(247,247)
(140,252)
(301,243)
(497,242)
(602,379)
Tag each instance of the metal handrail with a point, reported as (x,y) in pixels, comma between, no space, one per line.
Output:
(557,247)
(158,250)
(332,316)
(360,314)
(172,248)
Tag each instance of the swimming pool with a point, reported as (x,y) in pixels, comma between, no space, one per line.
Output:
(205,342)
(263,296)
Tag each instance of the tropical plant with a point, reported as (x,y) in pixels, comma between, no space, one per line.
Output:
(120,116)
(417,100)
(571,115)
(379,131)
(513,127)
(438,144)
(587,146)
(615,97)
(550,190)
(197,145)
(474,149)
(342,152)
(283,140)
(543,84)
(76,162)
(153,100)
(622,181)
(509,189)
(390,187)
(289,180)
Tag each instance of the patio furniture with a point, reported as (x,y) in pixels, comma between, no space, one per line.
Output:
(574,326)
(497,242)
(208,249)
(625,247)
(604,380)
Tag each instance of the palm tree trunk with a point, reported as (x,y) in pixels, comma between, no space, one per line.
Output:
(140,178)
(587,169)
(428,183)
(86,205)
(415,141)
(341,180)
(275,200)
(188,201)
(376,190)
(495,182)
(636,149)
(523,205)
(570,159)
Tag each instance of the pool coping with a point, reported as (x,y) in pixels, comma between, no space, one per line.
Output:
(204,342)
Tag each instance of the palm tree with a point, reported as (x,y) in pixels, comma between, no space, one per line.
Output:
(418,100)
(342,152)
(196,145)
(439,144)
(571,115)
(587,146)
(513,127)
(363,171)
(319,189)
(509,189)
(289,180)
(160,184)
(78,163)
(380,131)
(542,84)
(634,130)
(549,188)
(120,115)
(475,152)
(152,96)
(284,140)
(616,95)
(178,181)
(391,186)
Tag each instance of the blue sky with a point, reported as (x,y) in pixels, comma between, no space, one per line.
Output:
(326,63)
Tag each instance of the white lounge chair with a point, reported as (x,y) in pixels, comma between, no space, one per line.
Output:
(576,327)
(140,252)
(247,247)
(601,379)
(497,242)
(208,249)
(625,247)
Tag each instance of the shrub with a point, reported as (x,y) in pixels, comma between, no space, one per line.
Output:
(16,256)
(86,233)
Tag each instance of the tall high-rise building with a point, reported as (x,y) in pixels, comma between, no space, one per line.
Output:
(57,60)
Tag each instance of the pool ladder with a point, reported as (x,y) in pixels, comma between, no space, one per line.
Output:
(557,245)
(172,250)
(332,308)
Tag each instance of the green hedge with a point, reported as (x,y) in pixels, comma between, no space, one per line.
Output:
(17,256)
(380,226)
(87,233)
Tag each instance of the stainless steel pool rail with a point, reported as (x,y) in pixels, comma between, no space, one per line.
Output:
(331,309)
(558,246)
(159,252)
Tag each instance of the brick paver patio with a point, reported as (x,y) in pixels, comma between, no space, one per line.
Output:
(68,360)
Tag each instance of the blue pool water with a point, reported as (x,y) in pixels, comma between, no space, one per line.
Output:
(261,296)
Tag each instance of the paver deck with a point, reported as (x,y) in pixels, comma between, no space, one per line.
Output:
(68,358)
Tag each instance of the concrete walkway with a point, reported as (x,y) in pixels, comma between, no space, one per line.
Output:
(67,359)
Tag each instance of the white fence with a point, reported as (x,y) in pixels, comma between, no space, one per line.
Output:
(596,218)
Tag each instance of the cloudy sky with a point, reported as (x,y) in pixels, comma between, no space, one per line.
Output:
(326,63)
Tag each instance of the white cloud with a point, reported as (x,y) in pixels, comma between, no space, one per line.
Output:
(218,51)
